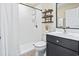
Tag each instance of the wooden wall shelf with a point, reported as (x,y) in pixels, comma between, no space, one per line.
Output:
(47,16)
(48,22)
(49,10)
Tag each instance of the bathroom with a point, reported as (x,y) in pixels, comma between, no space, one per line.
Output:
(26,32)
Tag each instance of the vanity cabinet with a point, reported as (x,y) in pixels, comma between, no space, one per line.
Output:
(58,46)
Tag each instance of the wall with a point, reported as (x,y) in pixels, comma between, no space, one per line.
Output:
(28,33)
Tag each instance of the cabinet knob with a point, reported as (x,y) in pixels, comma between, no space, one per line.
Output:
(57,41)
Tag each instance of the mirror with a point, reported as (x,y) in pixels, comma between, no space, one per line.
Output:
(67,15)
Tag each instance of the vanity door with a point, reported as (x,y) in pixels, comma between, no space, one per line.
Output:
(56,50)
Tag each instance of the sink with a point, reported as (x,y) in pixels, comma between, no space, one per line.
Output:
(74,36)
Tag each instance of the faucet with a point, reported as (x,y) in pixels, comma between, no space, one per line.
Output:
(64,25)
(64,29)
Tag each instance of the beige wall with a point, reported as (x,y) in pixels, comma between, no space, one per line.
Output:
(66,6)
(47,6)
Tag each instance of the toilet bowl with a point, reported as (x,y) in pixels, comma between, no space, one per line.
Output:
(40,48)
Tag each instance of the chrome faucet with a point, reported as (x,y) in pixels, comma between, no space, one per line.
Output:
(64,30)
(64,25)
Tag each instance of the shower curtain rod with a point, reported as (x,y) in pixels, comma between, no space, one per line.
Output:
(30,6)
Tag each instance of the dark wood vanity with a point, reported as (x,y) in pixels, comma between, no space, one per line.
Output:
(58,46)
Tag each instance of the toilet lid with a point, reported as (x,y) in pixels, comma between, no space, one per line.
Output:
(40,43)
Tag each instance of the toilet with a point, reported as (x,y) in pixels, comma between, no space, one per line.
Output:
(40,48)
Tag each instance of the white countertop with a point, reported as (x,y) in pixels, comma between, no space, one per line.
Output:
(72,36)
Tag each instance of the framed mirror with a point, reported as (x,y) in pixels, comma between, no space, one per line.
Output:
(67,15)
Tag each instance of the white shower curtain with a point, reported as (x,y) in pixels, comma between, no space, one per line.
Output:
(9,28)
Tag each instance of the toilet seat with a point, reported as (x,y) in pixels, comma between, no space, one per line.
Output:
(40,44)
(40,48)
